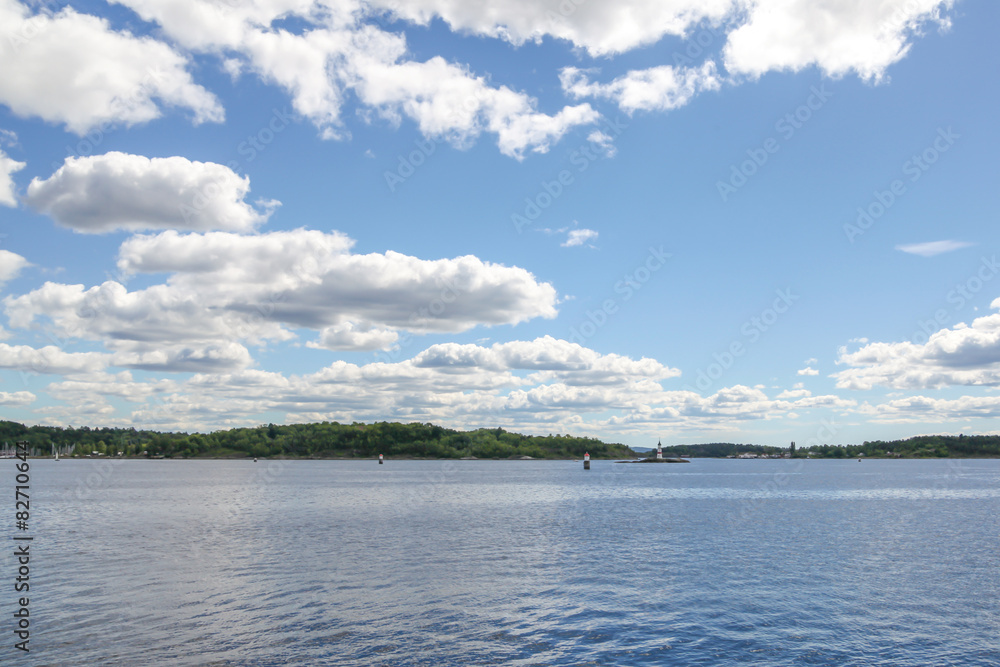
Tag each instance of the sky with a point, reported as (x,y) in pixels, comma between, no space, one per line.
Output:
(688,220)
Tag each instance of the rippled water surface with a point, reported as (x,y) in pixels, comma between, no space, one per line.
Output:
(512,563)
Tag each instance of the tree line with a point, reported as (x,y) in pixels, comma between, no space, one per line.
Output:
(320,440)
(922,446)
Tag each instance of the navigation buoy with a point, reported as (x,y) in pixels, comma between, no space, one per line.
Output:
(586,461)
(380,459)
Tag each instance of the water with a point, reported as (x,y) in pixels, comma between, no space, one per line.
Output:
(461,563)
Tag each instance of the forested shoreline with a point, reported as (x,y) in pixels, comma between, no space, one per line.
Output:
(429,441)
(922,446)
(319,440)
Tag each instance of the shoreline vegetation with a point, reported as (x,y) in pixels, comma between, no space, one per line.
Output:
(333,440)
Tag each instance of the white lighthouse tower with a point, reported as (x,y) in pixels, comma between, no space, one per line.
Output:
(659,450)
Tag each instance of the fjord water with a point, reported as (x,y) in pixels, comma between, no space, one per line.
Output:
(460,563)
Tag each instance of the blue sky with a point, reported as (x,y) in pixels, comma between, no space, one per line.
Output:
(696,221)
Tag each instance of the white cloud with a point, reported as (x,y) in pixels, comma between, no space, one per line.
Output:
(338,55)
(208,357)
(794,393)
(224,289)
(550,359)
(926,410)
(933,248)
(655,89)
(73,69)
(603,142)
(579,237)
(838,37)
(121,385)
(351,336)
(337,52)
(807,371)
(16,399)
(8,165)
(540,385)
(963,355)
(50,360)
(310,279)
(104,193)
(600,28)
(447,101)
(11,265)
(449,383)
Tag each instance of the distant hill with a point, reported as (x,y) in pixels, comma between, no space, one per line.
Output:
(322,440)
(924,446)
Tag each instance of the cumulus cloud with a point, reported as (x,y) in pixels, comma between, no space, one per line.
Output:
(16,399)
(338,52)
(962,355)
(11,265)
(574,235)
(656,89)
(342,53)
(352,336)
(225,288)
(102,385)
(206,358)
(600,28)
(550,358)
(926,410)
(56,67)
(838,37)
(579,237)
(50,360)
(8,165)
(807,371)
(541,385)
(449,383)
(105,193)
(309,279)
(447,101)
(933,248)
(603,143)
(794,394)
